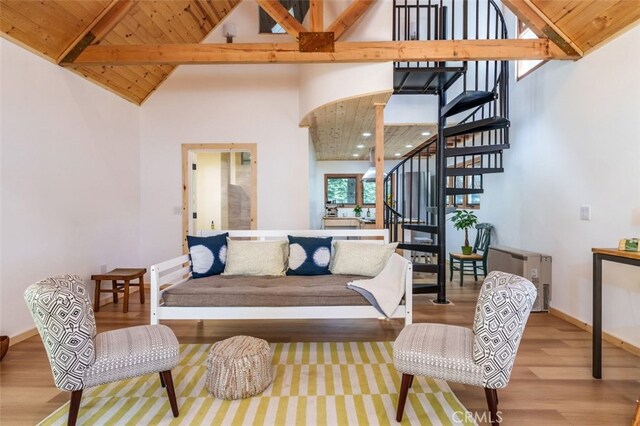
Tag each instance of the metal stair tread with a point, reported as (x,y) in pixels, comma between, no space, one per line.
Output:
(464,191)
(471,171)
(414,80)
(475,150)
(431,229)
(421,247)
(483,125)
(467,100)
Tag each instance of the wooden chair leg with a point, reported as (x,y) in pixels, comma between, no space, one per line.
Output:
(411,382)
(168,380)
(114,287)
(162,383)
(461,272)
(475,270)
(450,268)
(141,290)
(96,299)
(402,398)
(492,402)
(74,407)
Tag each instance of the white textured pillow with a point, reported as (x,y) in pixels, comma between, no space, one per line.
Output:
(356,258)
(256,257)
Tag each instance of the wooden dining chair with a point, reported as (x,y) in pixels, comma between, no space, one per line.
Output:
(476,262)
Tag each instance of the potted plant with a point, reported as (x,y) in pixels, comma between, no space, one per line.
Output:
(358,210)
(464,219)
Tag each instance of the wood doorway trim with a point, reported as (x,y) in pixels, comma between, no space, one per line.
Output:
(252,148)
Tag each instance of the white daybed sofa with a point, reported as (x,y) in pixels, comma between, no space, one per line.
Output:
(177,271)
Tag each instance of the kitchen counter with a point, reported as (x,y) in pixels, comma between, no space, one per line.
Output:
(348,222)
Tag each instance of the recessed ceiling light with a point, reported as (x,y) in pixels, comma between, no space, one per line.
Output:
(366,134)
(397,154)
(426,133)
(360,146)
(408,146)
(355,155)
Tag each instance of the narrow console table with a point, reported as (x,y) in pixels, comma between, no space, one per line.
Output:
(611,255)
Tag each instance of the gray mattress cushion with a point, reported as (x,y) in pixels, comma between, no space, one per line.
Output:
(295,290)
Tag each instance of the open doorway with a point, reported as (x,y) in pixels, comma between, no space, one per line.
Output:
(219,184)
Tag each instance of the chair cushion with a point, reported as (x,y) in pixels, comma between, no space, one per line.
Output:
(132,352)
(472,256)
(437,350)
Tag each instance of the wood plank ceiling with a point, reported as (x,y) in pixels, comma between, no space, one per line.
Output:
(344,130)
(589,23)
(51,28)
(57,29)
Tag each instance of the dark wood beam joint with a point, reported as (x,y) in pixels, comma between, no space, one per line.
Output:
(78,48)
(316,42)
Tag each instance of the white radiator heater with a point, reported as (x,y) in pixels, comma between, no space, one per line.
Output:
(535,267)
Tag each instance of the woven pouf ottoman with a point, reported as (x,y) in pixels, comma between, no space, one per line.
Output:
(239,367)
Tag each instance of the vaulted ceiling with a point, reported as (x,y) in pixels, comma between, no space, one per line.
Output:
(55,29)
(156,35)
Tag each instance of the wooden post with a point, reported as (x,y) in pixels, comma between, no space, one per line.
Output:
(379,165)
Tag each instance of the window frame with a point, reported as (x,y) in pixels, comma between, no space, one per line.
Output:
(359,188)
(521,28)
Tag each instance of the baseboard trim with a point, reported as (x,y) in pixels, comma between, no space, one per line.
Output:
(34,331)
(616,341)
(22,336)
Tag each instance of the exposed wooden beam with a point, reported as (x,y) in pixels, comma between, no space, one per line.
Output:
(347,18)
(98,29)
(542,26)
(379,111)
(276,10)
(265,53)
(316,12)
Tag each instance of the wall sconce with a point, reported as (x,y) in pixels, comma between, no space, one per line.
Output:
(229,30)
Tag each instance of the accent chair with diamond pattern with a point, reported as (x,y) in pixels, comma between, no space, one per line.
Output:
(482,356)
(80,358)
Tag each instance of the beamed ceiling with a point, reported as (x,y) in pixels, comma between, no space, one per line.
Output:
(131,46)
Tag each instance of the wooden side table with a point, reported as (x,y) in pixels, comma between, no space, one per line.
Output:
(120,282)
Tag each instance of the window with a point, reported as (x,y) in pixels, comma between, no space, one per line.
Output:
(341,189)
(348,189)
(297,8)
(526,67)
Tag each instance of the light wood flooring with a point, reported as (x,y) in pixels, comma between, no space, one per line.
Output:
(551,383)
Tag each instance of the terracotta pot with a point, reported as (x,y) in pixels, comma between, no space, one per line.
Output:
(467,250)
(4,346)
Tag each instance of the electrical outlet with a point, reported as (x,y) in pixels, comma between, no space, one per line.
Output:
(534,273)
(585,212)
(177,210)
(103,269)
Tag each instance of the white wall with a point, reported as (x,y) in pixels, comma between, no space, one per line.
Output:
(576,141)
(70,179)
(223,104)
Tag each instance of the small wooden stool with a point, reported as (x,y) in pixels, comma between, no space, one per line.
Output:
(120,281)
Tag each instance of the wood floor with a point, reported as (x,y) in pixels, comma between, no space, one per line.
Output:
(551,383)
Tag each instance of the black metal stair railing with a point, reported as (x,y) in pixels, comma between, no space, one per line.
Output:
(452,165)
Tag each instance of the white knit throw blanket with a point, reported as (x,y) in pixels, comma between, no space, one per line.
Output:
(385,290)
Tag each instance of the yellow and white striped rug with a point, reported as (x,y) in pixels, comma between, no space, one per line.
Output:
(315,384)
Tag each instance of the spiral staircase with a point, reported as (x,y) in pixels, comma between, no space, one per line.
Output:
(473,128)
